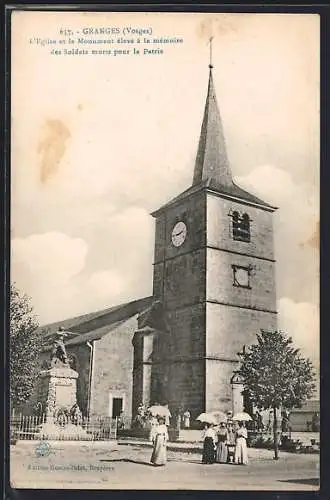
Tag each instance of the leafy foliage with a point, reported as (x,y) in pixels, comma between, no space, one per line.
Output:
(275,373)
(25,345)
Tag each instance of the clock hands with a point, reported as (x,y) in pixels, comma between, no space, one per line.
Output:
(179,234)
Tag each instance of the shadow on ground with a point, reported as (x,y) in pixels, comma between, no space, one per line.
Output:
(127,460)
(141,462)
(308,481)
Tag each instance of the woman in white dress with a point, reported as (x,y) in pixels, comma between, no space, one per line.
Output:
(159,438)
(186,419)
(241,456)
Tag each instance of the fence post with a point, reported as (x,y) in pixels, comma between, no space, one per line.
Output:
(19,426)
(22,426)
(29,429)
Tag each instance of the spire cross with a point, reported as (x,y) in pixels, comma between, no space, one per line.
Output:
(210,42)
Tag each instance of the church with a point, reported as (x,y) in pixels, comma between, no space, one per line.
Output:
(213,290)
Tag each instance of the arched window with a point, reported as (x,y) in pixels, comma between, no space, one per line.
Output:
(241,226)
(245,227)
(235,222)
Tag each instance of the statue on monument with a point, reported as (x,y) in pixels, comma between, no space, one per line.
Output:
(59,357)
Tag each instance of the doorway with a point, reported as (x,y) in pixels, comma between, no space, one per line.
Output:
(117,407)
(116,403)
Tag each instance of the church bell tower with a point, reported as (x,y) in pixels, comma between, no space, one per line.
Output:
(214,273)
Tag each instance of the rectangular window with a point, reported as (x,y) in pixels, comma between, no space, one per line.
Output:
(241,276)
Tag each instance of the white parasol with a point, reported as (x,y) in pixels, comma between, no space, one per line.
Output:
(159,410)
(242,417)
(207,418)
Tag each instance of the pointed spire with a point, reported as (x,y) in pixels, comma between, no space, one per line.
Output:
(212,163)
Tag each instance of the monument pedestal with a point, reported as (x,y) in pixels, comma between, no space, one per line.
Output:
(58,394)
(58,388)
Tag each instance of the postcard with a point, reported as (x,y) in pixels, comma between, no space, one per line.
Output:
(165,251)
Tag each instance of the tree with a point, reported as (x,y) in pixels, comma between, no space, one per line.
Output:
(25,345)
(276,376)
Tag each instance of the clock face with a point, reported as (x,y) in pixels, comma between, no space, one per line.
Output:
(179,233)
(242,277)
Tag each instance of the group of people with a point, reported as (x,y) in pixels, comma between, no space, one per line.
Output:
(225,444)
(145,420)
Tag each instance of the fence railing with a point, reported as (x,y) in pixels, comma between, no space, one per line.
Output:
(96,428)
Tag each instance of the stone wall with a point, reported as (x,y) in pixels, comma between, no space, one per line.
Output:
(192,211)
(220,280)
(181,383)
(82,358)
(234,314)
(113,369)
(219,228)
(229,328)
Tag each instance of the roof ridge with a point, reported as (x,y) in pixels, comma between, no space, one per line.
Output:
(88,318)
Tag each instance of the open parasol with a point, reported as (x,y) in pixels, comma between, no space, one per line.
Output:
(207,418)
(159,410)
(242,417)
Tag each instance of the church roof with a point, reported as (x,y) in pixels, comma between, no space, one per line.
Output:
(97,333)
(225,191)
(212,160)
(212,170)
(96,324)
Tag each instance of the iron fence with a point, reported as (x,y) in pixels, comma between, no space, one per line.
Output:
(32,427)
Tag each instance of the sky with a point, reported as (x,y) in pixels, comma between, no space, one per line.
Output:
(100,141)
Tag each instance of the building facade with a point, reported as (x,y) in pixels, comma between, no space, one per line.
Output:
(213,290)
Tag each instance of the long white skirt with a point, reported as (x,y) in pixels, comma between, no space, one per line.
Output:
(241,456)
(159,455)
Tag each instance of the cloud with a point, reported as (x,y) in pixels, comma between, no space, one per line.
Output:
(51,257)
(121,268)
(44,266)
(80,275)
(295,229)
(278,186)
(108,287)
(300,320)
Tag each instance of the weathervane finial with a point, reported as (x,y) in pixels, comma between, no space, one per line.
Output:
(210,41)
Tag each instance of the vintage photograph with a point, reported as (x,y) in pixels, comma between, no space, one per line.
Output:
(164,282)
